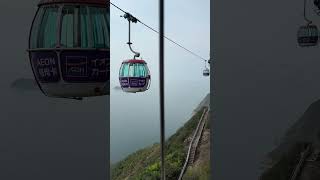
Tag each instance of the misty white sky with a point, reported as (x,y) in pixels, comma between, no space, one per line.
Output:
(135,117)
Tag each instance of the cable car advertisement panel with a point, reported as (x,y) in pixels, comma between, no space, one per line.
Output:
(137,82)
(124,82)
(133,82)
(45,65)
(85,66)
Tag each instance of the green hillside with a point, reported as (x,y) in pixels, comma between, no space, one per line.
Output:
(145,163)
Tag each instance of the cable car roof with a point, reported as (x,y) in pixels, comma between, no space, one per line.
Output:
(96,2)
(135,61)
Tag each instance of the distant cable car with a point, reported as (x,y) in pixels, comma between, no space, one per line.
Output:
(134,75)
(308,36)
(69,48)
(206,71)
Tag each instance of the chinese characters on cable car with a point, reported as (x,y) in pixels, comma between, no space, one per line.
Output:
(137,82)
(124,82)
(97,64)
(46,66)
(77,67)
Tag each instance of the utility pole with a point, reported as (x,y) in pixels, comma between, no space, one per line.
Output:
(161,70)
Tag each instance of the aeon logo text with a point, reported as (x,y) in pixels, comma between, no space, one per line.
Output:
(46,62)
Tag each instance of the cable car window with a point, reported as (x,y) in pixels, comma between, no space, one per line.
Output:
(85,27)
(121,70)
(131,70)
(84,24)
(46,35)
(107,30)
(69,27)
(142,70)
(124,72)
(35,29)
(134,70)
(100,27)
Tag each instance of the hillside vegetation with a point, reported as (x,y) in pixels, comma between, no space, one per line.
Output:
(145,163)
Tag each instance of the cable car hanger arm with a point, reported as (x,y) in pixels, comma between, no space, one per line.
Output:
(130,19)
(304,13)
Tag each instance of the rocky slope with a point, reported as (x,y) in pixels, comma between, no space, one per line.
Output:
(282,161)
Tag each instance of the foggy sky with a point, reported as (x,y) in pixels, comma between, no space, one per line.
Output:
(136,115)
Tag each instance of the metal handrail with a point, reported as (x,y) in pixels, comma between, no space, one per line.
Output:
(191,143)
(299,166)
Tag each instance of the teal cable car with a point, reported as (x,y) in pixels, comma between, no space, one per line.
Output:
(69,48)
